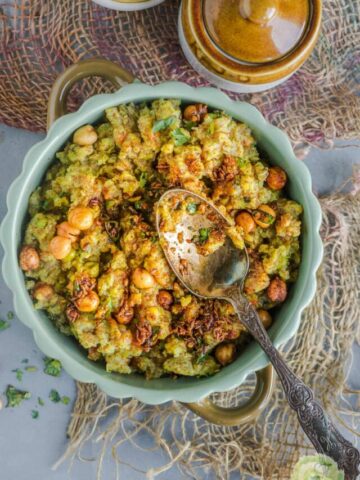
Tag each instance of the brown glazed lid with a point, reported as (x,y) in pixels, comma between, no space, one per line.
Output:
(255,31)
(251,41)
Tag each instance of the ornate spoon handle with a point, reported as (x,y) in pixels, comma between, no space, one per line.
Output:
(316,424)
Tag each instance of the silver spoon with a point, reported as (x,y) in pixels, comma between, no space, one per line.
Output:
(221,275)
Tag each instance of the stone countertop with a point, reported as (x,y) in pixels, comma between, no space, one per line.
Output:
(29,447)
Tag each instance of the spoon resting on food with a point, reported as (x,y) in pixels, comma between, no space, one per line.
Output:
(200,249)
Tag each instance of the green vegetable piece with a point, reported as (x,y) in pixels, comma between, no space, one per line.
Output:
(188,124)
(316,467)
(31,369)
(180,137)
(10,315)
(162,124)
(15,396)
(52,367)
(203,234)
(143,179)
(34,414)
(54,396)
(4,325)
(65,400)
(19,373)
(41,401)
(192,208)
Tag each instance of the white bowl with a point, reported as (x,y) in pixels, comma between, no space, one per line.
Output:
(128,6)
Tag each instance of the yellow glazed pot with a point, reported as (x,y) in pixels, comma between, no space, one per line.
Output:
(248,45)
(191,391)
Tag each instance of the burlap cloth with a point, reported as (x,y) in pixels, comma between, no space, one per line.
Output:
(317,105)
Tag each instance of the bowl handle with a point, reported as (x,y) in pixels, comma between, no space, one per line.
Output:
(230,417)
(99,67)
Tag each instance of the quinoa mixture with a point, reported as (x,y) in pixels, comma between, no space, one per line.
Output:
(91,255)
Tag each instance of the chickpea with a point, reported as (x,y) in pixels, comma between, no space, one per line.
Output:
(225,353)
(125,314)
(245,221)
(89,303)
(85,135)
(276,178)
(264,216)
(81,218)
(165,299)
(142,278)
(29,258)
(66,230)
(195,113)
(43,292)
(277,290)
(60,247)
(265,318)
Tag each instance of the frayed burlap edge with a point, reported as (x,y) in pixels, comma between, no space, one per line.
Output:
(269,447)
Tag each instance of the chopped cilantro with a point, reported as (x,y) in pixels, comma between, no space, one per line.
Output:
(54,396)
(19,374)
(202,358)
(162,124)
(34,414)
(15,396)
(10,315)
(203,234)
(192,207)
(31,369)
(65,400)
(41,401)
(188,124)
(180,137)
(52,367)
(137,205)
(4,325)
(143,179)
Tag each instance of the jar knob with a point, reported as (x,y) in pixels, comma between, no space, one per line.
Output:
(259,11)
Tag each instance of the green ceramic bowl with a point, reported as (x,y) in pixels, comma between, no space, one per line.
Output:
(54,344)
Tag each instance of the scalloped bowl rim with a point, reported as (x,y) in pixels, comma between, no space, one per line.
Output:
(164,389)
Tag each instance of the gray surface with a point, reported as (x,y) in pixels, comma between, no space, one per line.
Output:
(30,447)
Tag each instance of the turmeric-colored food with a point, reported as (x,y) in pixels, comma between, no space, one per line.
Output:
(91,255)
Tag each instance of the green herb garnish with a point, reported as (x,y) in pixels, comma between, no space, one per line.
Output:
(15,396)
(52,367)
(4,325)
(202,358)
(143,179)
(41,401)
(10,315)
(192,207)
(19,373)
(188,124)
(54,396)
(34,414)
(162,124)
(203,234)
(137,205)
(65,400)
(180,137)
(31,369)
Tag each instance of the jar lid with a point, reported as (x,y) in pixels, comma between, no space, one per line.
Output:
(255,31)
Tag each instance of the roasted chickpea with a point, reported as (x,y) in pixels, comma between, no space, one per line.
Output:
(85,135)
(81,218)
(225,353)
(265,318)
(142,278)
(245,221)
(165,299)
(276,178)
(195,113)
(60,247)
(89,303)
(43,292)
(66,230)
(277,290)
(264,216)
(29,258)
